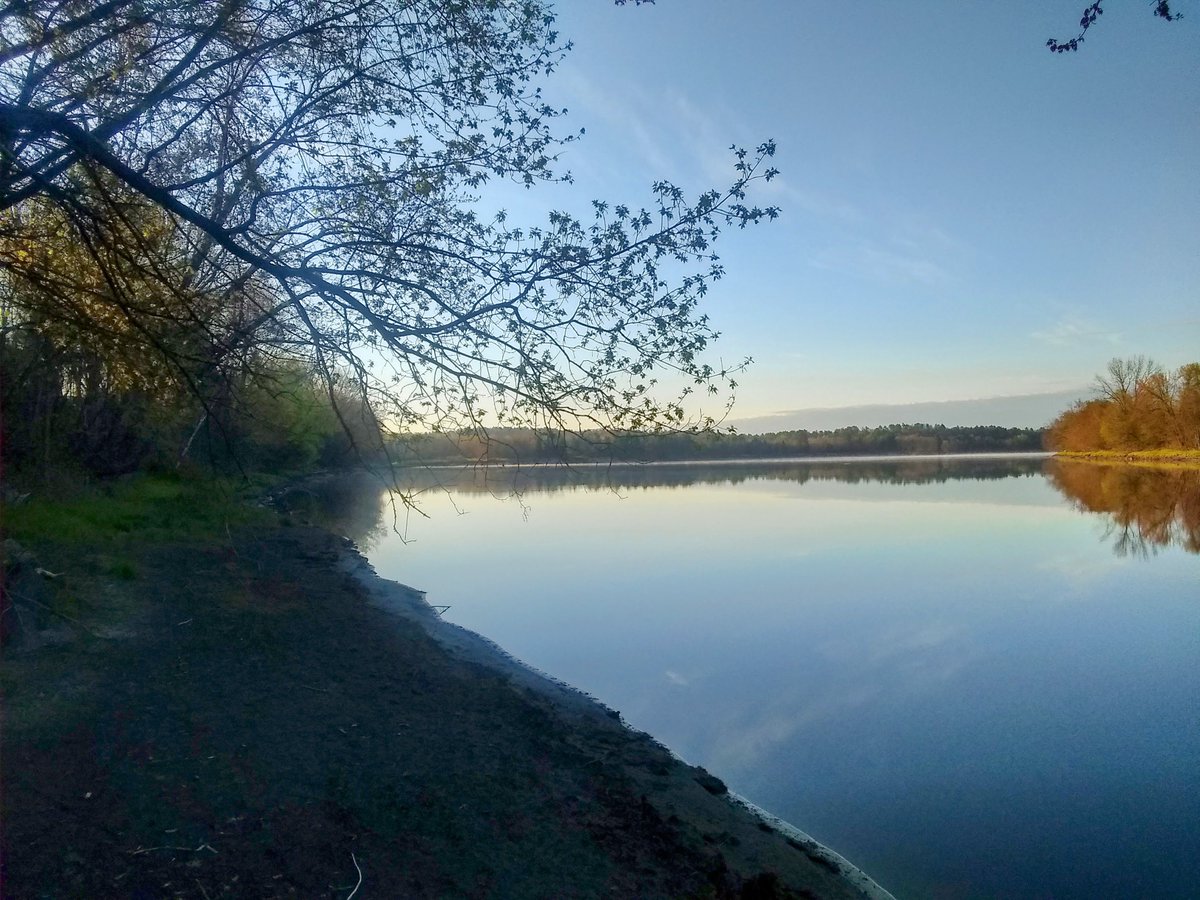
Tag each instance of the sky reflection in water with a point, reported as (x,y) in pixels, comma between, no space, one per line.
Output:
(961,684)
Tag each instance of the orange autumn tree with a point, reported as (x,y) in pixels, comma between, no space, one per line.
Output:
(1140,407)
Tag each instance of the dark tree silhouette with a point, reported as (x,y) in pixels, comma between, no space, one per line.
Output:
(1092,14)
(311,172)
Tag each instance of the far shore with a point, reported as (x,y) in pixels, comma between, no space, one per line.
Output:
(1188,458)
(724,461)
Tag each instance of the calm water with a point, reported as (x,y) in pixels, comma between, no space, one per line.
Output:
(971,678)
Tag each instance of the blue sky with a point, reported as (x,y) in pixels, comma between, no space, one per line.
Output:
(965,214)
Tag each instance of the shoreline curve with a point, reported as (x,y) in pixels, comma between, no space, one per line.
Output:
(409,603)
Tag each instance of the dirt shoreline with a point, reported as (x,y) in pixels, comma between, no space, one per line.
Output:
(410,603)
(1131,457)
(268,718)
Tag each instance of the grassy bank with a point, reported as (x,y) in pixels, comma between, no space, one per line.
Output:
(73,553)
(136,508)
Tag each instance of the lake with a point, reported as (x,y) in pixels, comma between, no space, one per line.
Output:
(973,677)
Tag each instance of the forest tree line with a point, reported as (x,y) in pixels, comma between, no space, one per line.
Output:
(1140,406)
(502,445)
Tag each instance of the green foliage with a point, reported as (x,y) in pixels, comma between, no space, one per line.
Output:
(146,507)
(286,418)
(64,413)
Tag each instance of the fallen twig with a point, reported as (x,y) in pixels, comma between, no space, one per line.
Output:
(357,886)
(141,850)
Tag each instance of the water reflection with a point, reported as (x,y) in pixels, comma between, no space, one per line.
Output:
(930,664)
(1145,508)
(505,480)
(369,506)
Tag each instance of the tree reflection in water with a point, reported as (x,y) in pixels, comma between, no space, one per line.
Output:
(363,507)
(1146,507)
(507,480)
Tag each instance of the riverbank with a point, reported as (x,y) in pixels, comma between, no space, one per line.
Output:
(1188,458)
(256,714)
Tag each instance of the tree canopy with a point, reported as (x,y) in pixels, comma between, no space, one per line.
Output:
(195,186)
(1139,407)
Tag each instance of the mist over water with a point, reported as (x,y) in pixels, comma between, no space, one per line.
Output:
(972,677)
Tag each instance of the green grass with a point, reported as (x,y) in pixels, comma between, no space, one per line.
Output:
(146,507)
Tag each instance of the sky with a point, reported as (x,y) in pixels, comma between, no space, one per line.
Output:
(964,214)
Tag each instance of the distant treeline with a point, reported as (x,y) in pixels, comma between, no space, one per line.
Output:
(624,477)
(527,446)
(1140,407)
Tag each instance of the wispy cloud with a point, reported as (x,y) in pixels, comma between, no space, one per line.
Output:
(1079,571)
(911,232)
(624,114)
(1072,331)
(881,669)
(782,192)
(872,260)
(670,133)
(897,247)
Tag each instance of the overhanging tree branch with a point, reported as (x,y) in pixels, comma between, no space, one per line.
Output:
(1091,15)
(317,166)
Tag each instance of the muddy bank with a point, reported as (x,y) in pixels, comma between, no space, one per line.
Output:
(268,719)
